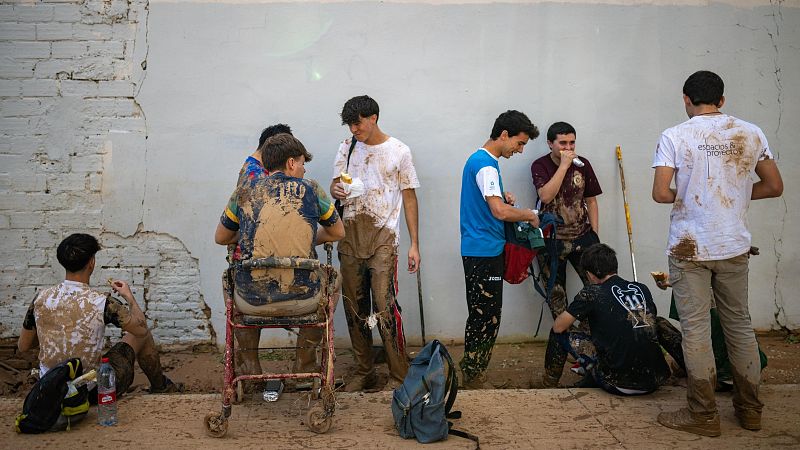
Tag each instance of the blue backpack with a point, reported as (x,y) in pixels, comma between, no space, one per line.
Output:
(422,404)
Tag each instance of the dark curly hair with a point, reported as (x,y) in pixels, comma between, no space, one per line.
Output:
(358,107)
(514,122)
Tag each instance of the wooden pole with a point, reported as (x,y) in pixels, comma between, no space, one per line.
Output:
(627,210)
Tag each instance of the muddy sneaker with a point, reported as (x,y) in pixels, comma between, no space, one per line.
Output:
(477,382)
(685,420)
(169,387)
(545,382)
(749,419)
(357,384)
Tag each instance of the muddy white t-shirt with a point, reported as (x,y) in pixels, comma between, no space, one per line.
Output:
(69,323)
(372,219)
(714,158)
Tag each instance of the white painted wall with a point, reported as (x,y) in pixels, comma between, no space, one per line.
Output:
(216,74)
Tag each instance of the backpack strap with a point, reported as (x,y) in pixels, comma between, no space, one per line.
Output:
(463,434)
(452,391)
(452,384)
(350,151)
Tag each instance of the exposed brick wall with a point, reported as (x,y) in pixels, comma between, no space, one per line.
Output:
(68,77)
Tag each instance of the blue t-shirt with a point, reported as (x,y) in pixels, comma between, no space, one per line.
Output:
(481,233)
(277,215)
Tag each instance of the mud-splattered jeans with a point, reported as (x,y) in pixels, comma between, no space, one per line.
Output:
(692,284)
(484,282)
(568,251)
(374,278)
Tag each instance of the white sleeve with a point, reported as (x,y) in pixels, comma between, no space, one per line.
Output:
(665,153)
(764,152)
(488,180)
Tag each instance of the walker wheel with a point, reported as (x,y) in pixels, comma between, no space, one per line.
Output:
(318,421)
(216,424)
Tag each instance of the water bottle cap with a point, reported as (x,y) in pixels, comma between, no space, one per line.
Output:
(104,360)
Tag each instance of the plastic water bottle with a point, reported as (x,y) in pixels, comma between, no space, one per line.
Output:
(106,394)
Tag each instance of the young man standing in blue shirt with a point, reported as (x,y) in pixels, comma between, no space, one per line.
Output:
(484,208)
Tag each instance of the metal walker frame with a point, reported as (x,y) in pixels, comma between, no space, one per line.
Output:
(319,417)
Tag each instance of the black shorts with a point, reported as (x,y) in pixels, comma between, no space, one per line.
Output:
(121,357)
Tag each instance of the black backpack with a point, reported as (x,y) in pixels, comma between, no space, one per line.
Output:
(47,407)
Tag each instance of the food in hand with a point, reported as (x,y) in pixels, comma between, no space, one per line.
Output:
(346,178)
(659,276)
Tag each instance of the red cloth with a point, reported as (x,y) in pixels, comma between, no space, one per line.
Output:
(517,261)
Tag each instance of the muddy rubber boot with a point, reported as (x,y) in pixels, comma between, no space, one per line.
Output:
(749,419)
(685,420)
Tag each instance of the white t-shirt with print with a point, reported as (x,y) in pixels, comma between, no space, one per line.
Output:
(386,170)
(714,158)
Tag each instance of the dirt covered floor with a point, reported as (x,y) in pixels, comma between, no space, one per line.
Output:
(513,366)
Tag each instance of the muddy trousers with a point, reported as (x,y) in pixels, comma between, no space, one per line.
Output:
(721,360)
(369,285)
(567,252)
(484,283)
(305,355)
(695,284)
(556,352)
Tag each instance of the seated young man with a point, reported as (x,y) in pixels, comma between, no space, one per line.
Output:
(278,216)
(625,329)
(69,320)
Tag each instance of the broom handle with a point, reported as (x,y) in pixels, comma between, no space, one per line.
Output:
(627,210)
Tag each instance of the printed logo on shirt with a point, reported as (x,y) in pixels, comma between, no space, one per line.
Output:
(633,300)
(728,148)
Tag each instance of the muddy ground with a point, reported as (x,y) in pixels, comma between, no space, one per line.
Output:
(513,365)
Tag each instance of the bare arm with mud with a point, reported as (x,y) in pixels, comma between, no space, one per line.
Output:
(136,324)
(662,192)
(770,183)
